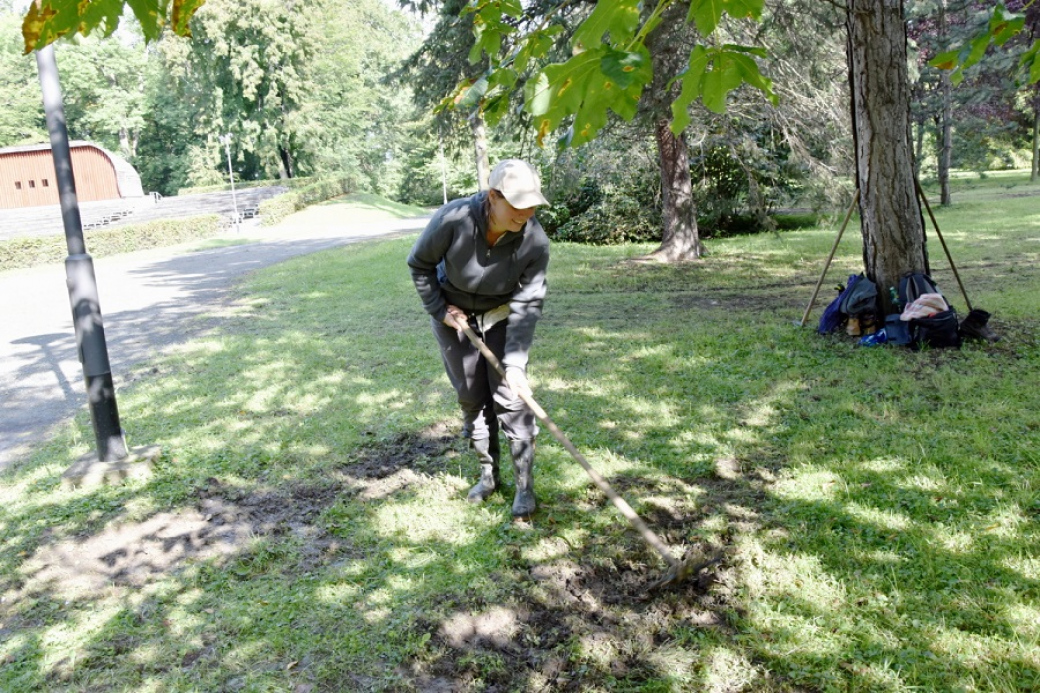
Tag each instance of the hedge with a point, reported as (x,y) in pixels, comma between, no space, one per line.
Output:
(42,250)
(247,184)
(275,209)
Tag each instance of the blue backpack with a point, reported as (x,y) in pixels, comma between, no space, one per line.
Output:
(833,317)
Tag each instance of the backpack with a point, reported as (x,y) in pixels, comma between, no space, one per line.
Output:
(861,299)
(913,285)
(939,330)
(832,317)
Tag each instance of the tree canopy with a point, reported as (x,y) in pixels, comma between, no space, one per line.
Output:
(300,88)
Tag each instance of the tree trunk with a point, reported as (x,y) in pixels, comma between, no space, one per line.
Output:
(890,212)
(680,238)
(919,148)
(946,122)
(480,150)
(946,150)
(756,201)
(124,143)
(285,168)
(1035,174)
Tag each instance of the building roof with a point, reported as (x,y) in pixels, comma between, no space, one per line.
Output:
(126,175)
(22,148)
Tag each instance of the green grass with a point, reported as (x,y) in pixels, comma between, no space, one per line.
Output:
(372,206)
(876,510)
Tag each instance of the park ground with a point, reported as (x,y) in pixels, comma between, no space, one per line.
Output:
(872,513)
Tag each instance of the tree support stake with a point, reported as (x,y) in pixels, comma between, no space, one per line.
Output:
(935,225)
(827,264)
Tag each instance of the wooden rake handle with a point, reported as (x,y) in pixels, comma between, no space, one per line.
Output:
(648,534)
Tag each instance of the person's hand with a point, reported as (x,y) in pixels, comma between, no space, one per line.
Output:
(517,381)
(455,317)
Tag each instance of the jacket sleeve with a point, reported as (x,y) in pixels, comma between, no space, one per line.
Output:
(426,254)
(525,308)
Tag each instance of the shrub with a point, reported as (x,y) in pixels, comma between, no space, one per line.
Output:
(277,208)
(20,253)
(603,215)
(245,185)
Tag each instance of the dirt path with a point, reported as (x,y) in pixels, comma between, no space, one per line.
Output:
(149,300)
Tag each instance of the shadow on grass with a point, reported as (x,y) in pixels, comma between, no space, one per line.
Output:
(307,525)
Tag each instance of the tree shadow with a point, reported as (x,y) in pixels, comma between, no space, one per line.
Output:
(307,526)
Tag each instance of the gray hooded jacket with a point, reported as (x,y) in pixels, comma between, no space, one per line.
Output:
(451,262)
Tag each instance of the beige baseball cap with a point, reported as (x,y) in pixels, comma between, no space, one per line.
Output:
(518,182)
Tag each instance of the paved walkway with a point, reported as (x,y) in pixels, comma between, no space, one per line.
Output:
(149,300)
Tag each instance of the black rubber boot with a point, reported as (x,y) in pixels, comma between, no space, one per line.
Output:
(974,326)
(488,453)
(524,502)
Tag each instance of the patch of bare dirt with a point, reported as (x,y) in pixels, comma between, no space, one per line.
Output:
(386,467)
(596,598)
(225,519)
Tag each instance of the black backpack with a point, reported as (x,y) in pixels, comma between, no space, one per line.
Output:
(913,285)
(939,330)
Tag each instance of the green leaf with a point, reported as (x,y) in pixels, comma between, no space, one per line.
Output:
(756,51)
(488,33)
(514,8)
(711,75)
(627,105)
(471,97)
(49,20)
(744,8)
(489,27)
(536,95)
(622,68)
(692,79)
(53,19)
(750,74)
(977,51)
(537,45)
(1032,56)
(945,61)
(181,13)
(496,107)
(589,120)
(714,90)
(149,16)
(1006,30)
(586,86)
(504,77)
(1002,27)
(707,14)
(619,18)
(559,89)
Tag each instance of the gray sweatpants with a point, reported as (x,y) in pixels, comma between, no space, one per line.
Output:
(485,399)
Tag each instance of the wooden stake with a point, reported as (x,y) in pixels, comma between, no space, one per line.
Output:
(938,233)
(826,265)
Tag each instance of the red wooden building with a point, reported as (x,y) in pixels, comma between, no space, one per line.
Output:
(27,177)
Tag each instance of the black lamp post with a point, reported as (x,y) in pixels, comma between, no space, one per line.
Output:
(226,141)
(83,294)
(79,274)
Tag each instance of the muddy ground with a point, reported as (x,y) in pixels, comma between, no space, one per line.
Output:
(601,598)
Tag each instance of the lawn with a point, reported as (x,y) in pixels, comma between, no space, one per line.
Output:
(875,512)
